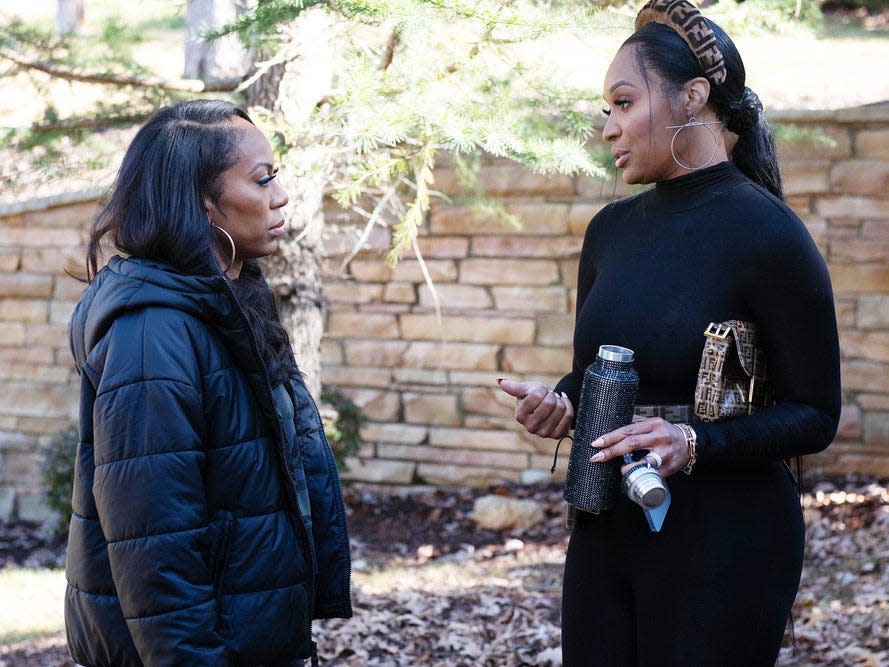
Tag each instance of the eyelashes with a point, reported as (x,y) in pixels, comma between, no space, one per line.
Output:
(265,180)
(621,104)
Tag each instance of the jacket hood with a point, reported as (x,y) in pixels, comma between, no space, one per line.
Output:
(131,284)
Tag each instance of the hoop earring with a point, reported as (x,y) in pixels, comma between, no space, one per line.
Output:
(694,122)
(231,242)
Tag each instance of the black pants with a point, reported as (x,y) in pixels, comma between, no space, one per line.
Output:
(714,587)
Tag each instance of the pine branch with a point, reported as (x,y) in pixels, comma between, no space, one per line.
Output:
(487,38)
(405,232)
(89,123)
(183,85)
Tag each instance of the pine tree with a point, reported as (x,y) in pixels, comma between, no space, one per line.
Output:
(363,98)
(408,82)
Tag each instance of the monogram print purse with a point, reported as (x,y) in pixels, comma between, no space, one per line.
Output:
(733,379)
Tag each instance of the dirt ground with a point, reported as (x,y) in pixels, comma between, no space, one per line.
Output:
(430,588)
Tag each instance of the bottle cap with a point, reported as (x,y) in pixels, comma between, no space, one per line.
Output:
(615,353)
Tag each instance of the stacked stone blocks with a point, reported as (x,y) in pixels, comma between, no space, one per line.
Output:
(39,242)
(422,361)
(507,298)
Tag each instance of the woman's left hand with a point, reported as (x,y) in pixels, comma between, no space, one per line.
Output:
(654,435)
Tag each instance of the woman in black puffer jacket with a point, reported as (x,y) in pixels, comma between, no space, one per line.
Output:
(208,524)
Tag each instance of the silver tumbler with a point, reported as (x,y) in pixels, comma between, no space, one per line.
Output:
(607,401)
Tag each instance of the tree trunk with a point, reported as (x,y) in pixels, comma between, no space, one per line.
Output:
(294,90)
(217,60)
(69,16)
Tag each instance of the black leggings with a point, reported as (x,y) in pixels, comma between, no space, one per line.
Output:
(714,587)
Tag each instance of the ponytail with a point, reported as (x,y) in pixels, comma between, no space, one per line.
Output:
(754,153)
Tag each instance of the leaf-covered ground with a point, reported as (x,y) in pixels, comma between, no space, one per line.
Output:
(432,589)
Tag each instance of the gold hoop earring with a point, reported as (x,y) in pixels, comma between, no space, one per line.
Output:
(694,122)
(231,242)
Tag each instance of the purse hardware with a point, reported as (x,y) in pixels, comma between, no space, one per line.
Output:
(717,331)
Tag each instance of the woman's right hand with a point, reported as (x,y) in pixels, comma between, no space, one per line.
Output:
(541,411)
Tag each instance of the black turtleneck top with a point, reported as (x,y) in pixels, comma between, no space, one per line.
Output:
(658,267)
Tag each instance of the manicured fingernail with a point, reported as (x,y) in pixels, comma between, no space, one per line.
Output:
(598,443)
(598,456)
(499,380)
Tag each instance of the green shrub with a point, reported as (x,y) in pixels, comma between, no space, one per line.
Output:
(790,133)
(342,424)
(57,468)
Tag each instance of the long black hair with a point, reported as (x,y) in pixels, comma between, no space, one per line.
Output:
(662,50)
(156,209)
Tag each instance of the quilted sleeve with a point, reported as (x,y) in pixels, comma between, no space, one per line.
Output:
(149,490)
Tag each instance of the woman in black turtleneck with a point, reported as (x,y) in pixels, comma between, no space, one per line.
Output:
(713,240)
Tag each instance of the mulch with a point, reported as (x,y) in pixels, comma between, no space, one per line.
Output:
(431,588)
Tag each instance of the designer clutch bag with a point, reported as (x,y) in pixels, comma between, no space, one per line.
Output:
(733,379)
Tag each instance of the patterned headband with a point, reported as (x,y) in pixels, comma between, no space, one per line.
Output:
(685,19)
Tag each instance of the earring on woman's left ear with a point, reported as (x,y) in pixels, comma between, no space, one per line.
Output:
(694,122)
(231,242)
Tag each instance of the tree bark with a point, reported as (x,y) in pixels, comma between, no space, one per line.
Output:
(220,59)
(293,90)
(68,74)
(69,16)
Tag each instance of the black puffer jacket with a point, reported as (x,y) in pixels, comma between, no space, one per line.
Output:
(207,529)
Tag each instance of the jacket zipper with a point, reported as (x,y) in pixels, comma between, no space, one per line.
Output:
(221,559)
(282,454)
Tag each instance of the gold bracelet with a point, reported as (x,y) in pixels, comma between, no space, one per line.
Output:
(691,441)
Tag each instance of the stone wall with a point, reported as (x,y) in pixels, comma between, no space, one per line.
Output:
(39,241)
(507,296)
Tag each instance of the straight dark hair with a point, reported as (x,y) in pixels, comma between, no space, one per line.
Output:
(662,50)
(156,210)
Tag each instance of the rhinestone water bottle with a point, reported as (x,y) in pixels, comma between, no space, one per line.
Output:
(607,401)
